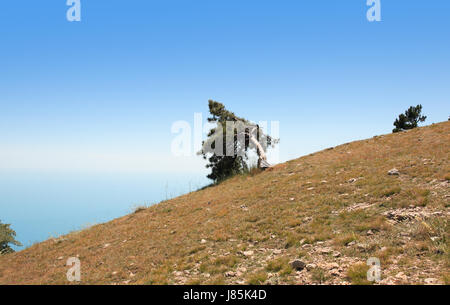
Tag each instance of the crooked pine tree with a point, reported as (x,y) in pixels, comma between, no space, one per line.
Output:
(229,142)
(410,119)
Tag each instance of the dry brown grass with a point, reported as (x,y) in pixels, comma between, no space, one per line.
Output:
(157,244)
(357,274)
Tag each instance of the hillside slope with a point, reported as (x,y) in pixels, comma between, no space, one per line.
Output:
(331,210)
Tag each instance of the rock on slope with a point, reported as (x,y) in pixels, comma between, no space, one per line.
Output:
(329,212)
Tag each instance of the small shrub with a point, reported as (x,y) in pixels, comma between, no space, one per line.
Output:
(391,191)
(216,280)
(253,218)
(253,170)
(158,279)
(194,282)
(376,223)
(446,278)
(345,239)
(257,278)
(139,209)
(357,274)
(290,241)
(196,249)
(229,261)
(302,254)
(277,264)
(319,275)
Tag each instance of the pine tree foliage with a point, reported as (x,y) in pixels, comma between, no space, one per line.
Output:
(410,119)
(7,237)
(240,137)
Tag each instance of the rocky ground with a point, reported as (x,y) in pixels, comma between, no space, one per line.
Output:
(314,220)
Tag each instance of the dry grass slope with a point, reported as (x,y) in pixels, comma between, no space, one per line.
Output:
(332,210)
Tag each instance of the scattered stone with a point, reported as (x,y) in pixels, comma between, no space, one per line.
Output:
(248,253)
(230,274)
(370,232)
(352,243)
(336,254)
(431,281)
(352,180)
(106,245)
(400,215)
(325,250)
(388,281)
(291,199)
(402,276)
(272,280)
(310,267)
(358,206)
(203,241)
(277,251)
(393,172)
(60,258)
(59,240)
(332,266)
(437,213)
(362,247)
(242,269)
(298,265)
(335,272)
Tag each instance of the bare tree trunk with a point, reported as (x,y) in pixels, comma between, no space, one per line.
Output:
(262,157)
(259,148)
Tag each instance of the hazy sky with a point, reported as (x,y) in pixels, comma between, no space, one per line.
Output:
(102,94)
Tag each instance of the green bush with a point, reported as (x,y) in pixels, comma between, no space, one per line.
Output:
(7,237)
(410,119)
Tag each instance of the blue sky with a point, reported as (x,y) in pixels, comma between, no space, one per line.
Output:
(102,94)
